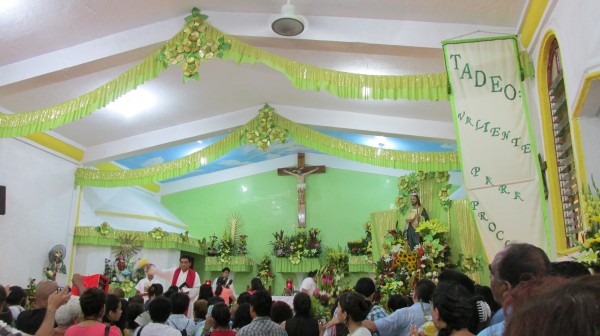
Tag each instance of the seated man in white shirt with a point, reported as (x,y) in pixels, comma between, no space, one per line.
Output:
(143,285)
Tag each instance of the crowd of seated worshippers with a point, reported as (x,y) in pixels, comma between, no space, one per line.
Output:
(528,295)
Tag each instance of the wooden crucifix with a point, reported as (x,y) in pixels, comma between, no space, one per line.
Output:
(300,173)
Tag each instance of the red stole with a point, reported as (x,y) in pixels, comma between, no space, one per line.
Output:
(189,280)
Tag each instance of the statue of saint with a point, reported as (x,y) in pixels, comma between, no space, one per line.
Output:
(415,216)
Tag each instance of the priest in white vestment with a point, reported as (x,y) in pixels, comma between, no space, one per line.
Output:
(185,278)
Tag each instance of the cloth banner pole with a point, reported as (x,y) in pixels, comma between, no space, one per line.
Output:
(495,141)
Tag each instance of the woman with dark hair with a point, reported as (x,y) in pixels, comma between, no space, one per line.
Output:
(352,309)
(309,284)
(154,291)
(16,300)
(302,323)
(451,309)
(242,316)
(221,316)
(280,312)
(224,291)
(92,303)
(135,310)
(395,302)
(256,284)
(244,298)
(113,309)
(206,292)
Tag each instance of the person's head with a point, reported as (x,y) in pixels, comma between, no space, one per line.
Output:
(256,284)
(200,309)
(42,292)
(515,263)
(136,299)
(222,315)
(568,269)
(113,309)
(3,295)
(281,311)
(365,286)
(205,292)
(122,321)
(415,200)
(451,307)
(302,304)
(159,309)
(68,314)
(242,316)
(16,297)
(352,307)
(172,290)
(179,303)
(221,282)
(135,310)
(485,293)
(225,272)
(395,302)
(456,276)
(260,304)
(118,292)
(185,263)
(569,308)
(155,290)
(92,303)
(244,298)
(214,300)
(423,291)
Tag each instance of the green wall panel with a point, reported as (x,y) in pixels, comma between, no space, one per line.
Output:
(338,202)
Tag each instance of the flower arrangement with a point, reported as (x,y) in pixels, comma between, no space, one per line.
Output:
(400,268)
(301,244)
(242,247)
(31,288)
(332,277)
(264,271)
(231,242)
(157,233)
(224,248)
(590,248)
(122,271)
(363,246)
(104,229)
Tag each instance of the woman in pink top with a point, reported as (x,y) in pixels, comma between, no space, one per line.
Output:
(224,291)
(92,307)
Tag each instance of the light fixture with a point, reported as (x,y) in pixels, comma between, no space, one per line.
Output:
(288,23)
(132,103)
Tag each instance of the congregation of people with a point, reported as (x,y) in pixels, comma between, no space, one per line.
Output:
(528,295)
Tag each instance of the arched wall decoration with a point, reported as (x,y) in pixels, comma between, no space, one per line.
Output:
(426,161)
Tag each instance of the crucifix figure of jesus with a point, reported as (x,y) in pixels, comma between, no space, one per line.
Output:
(300,172)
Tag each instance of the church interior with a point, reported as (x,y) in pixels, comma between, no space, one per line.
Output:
(279,136)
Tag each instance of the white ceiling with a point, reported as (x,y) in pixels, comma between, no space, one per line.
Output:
(53,51)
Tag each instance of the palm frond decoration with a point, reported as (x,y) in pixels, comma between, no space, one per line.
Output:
(235,223)
(130,245)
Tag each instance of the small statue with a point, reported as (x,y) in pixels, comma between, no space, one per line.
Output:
(56,257)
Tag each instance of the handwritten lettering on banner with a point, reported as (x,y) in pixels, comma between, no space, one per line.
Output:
(500,173)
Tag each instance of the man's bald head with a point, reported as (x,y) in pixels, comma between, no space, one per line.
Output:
(43,290)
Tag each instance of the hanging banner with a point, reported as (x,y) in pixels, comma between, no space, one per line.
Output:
(495,141)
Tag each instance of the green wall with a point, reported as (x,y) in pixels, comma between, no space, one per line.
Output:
(338,202)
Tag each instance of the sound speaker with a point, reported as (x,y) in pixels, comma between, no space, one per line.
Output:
(2,200)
